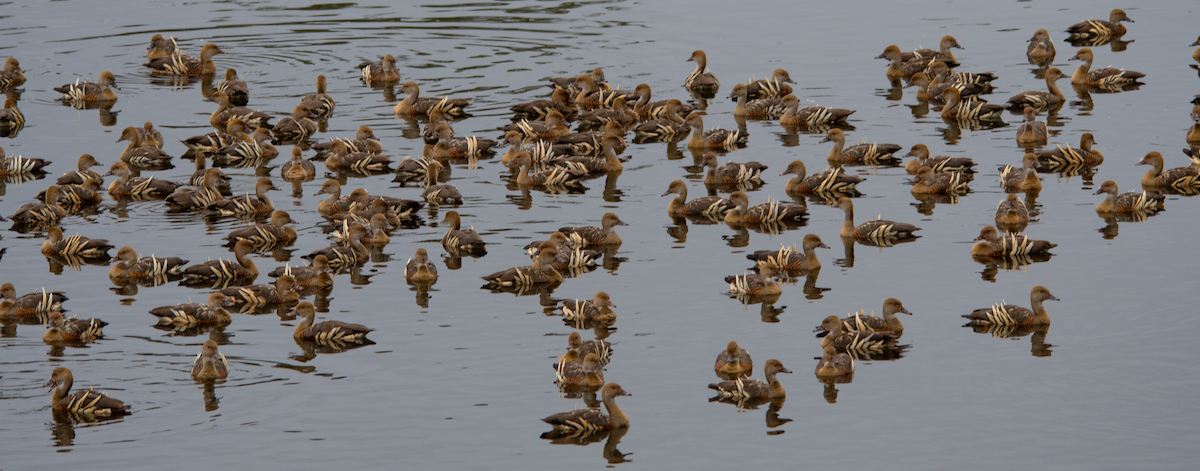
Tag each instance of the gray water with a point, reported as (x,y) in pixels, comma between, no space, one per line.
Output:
(462,383)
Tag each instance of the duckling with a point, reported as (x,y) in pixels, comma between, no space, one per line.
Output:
(131,268)
(774,86)
(939,163)
(320,104)
(414,105)
(586,421)
(242,268)
(340,158)
(713,207)
(88,404)
(1012,212)
(1180,178)
(873,153)
(793,115)
(334,332)
(927,182)
(238,91)
(298,168)
(789,259)
(834,364)
(761,108)
(1131,202)
(755,284)
(179,64)
(439,194)
(716,138)
(139,154)
(1105,77)
(1023,179)
(210,364)
(61,330)
(224,112)
(1008,314)
(856,341)
(382,72)
(744,389)
(769,212)
(1101,28)
(591,235)
(991,244)
(82,173)
(456,238)
(266,235)
(733,362)
(91,92)
(1038,99)
(11,75)
(296,128)
(246,204)
(879,230)
(125,185)
(47,213)
(189,315)
(419,269)
(1041,48)
(74,246)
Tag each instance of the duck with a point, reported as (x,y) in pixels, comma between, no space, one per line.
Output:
(928,182)
(12,120)
(733,362)
(769,212)
(334,202)
(941,68)
(210,364)
(1131,202)
(562,83)
(448,147)
(943,53)
(597,309)
(541,271)
(160,47)
(266,235)
(419,269)
(88,403)
(1193,135)
(592,96)
(17,165)
(39,213)
(587,374)
(188,199)
(1180,178)
(991,244)
(701,81)
(251,152)
(939,163)
(384,71)
(568,258)
(320,104)
(1066,156)
(140,154)
(770,87)
(74,246)
(336,332)
(242,268)
(298,127)
(298,169)
(1041,48)
(668,126)
(131,268)
(304,277)
(414,105)
(179,64)
(456,238)
(1101,28)
(62,330)
(553,176)
(150,136)
(245,204)
(888,323)
(1012,212)
(439,194)
(125,185)
(32,304)
(591,235)
(759,108)
(560,100)
(224,112)
(829,181)
(731,173)
(1196,53)
(11,75)
(340,257)
(713,207)
(898,68)
(235,132)
(859,153)
(581,143)
(715,138)
(1008,314)
(842,340)
(587,421)
(376,207)
(1106,77)
(364,141)
(189,315)
(82,173)
(619,113)
(377,228)
(648,110)
(1038,99)
(256,296)
(341,159)
(834,364)
(601,348)
(756,284)
(793,115)
(789,259)
(72,196)
(744,389)
(1023,179)
(878,230)
(607,163)
(1031,132)
(955,108)
(99,91)
(238,91)
(550,129)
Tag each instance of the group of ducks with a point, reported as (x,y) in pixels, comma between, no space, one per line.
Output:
(544,153)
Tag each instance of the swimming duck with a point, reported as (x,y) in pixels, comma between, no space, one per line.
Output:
(834,364)
(74,246)
(1101,28)
(592,96)
(188,199)
(943,53)
(743,389)
(88,404)
(447,147)
(955,108)
(140,154)
(927,182)
(235,132)
(256,296)
(82,173)
(188,315)
(553,176)
(238,91)
(1008,314)
(242,268)
(304,277)
(559,101)
(1131,202)
(701,81)
(91,92)
(245,204)
(856,341)
(587,374)
(72,196)
(770,87)
(597,309)
(619,113)
(224,112)
(1180,178)
(939,163)
(364,141)
(125,185)
(150,136)
(568,257)
(715,138)
(32,305)
(586,421)
(179,64)
(266,235)
(1105,77)
(647,109)
(1025,178)
(1011,212)
(859,153)
(878,231)
(549,130)
(941,68)
(591,235)
(160,47)
(336,332)
(829,181)
(384,71)
(11,119)
(252,152)
(320,104)
(1031,132)
(456,238)
(1193,135)
(668,126)
(888,323)
(11,75)
(61,330)
(16,165)
(1039,99)
(439,194)
(1041,48)
(1066,156)
(47,213)
(713,207)
(793,115)
(298,127)
(414,105)
(210,364)
(733,362)
(340,257)
(759,108)
(931,89)
(756,284)
(789,259)
(298,168)
(601,348)
(340,158)
(420,269)
(541,271)
(991,244)
(607,163)
(334,202)
(769,212)
(561,83)
(131,268)
(899,68)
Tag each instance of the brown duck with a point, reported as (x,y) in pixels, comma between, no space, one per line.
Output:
(414,105)
(180,64)
(131,268)
(73,330)
(769,212)
(591,235)
(746,389)
(734,362)
(1105,77)
(1008,314)
(712,207)
(326,332)
(878,231)
(87,404)
(193,314)
(829,181)
(586,421)
(859,153)
(1131,202)
(75,246)
(940,163)
(245,204)
(991,244)
(210,364)
(241,268)
(790,259)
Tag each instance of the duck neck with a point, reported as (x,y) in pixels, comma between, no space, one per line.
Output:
(740,108)
(611,161)
(848,222)
(615,415)
(1039,311)
(523,174)
(951,105)
(810,258)
(836,152)
(1080,75)
(60,392)
(1052,85)
(776,388)
(245,261)
(303,326)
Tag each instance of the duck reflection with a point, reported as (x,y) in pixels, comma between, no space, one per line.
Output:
(1038,345)
(211,402)
(612,438)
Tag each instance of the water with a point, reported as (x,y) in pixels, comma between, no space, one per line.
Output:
(461,384)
